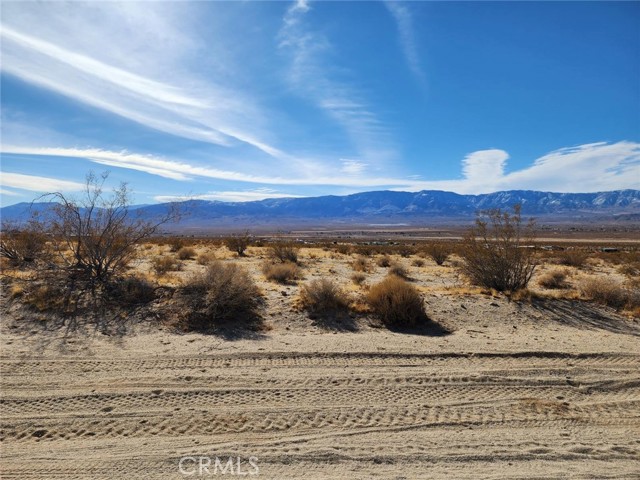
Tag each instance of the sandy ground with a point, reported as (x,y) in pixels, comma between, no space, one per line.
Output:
(514,392)
(518,390)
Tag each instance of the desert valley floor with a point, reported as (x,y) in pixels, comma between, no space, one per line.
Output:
(513,392)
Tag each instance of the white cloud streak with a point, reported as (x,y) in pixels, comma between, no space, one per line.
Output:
(404,22)
(36,183)
(231,196)
(585,168)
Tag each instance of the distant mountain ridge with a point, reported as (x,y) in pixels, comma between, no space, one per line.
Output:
(385,205)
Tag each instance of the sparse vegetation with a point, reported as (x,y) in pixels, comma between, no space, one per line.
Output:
(223,292)
(164,264)
(281,272)
(399,270)
(554,279)
(238,243)
(396,302)
(284,251)
(496,252)
(610,292)
(439,252)
(418,262)
(573,258)
(361,264)
(358,278)
(186,253)
(323,296)
(384,261)
(23,244)
(205,258)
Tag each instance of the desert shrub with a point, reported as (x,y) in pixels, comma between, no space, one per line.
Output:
(384,261)
(553,279)
(343,249)
(163,264)
(573,258)
(323,296)
(176,243)
(609,292)
(223,292)
(364,250)
(493,251)
(439,252)
(205,258)
(284,252)
(131,291)
(238,243)
(46,297)
(23,244)
(629,269)
(396,302)
(418,262)
(361,264)
(358,278)
(399,270)
(186,253)
(281,272)
(405,250)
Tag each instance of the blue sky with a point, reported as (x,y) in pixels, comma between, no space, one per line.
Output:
(239,101)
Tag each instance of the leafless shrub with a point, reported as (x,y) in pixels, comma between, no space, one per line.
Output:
(175,244)
(396,302)
(186,253)
(163,264)
(281,272)
(323,296)
(629,269)
(343,249)
(358,278)
(496,253)
(284,251)
(554,279)
(405,250)
(238,243)
(205,258)
(22,244)
(573,258)
(439,252)
(129,291)
(222,293)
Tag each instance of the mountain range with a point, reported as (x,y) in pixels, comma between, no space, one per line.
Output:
(382,207)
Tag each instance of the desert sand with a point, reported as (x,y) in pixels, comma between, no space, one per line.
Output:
(530,389)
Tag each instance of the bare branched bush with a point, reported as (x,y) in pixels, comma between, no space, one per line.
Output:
(238,243)
(23,243)
(176,243)
(439,252)
(399,270)
(496,251)
(186,253)
(100,231)
(396,302)
(573,258)
(323,296)
(223,292)
(284,251)
(405,250)
(281,272)
(554,279)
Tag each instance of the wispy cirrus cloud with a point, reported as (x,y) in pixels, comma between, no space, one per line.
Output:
(404,21)
(313,77)
(231,196)
(586,168)
(36,183)
(143,75)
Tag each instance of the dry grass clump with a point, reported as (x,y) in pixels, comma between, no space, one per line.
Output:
(399,270)
(281,272)
(418,262)
(223,292)
(323,296)
(554,279)
(573,258)
(343,249)
(610,292)
(205,258)
(22,246)
(238,243)
(396,302)
(358,278)
(629,269)
(405,250)
(361,264)
(175,244)
(164,264)
(284,252)
(384,261)
(186,253)
(132,291)
(438,252)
